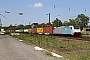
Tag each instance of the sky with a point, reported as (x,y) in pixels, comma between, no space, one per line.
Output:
(38,10)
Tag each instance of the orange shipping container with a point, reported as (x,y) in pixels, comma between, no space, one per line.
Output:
(39,30)
(29,30)
(48,30)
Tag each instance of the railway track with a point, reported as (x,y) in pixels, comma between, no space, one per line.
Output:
(84,38)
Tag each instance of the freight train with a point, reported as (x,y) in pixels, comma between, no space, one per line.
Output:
(62,30)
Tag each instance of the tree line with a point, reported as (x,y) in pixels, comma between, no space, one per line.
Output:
(81,20)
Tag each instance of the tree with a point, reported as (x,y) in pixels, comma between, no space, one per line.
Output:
(48,24)
(5,28)
(41,25)
(11,27)
(57,23)
(66,23)
(19,26)
(72,22)
(82,20)
(27,26)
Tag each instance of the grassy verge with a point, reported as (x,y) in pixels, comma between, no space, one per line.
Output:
(72,50)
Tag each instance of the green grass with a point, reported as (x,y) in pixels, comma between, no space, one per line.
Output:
(72,50)
(48,53)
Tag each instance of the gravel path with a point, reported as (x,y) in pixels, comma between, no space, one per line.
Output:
(12,49)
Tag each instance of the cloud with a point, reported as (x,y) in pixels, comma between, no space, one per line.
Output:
(36,5)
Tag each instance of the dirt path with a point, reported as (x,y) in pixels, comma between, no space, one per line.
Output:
(11,49)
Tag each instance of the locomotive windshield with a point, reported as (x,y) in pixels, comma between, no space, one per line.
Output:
(76,27)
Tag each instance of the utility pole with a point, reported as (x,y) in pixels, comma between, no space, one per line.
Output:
(0,22)
(49,18)
(0,19)
(29,24)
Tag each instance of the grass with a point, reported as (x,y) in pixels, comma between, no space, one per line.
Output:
(72,50)
(48,53)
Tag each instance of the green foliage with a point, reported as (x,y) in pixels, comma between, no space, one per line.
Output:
(27,26)
(82,20)
(19,26)
(66,23)
(57,22)
(72,22)
(11,27)
(5,28)
(48,24)
(41,25)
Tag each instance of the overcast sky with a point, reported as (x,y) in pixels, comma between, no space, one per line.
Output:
(37,10)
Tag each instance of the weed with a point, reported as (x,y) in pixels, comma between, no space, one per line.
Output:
(48,53)
(73,50)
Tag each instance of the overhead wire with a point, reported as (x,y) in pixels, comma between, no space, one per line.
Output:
(69,6)
(23,12)
(54,6)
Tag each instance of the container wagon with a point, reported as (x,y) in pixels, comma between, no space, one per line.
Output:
(48,30)
(34,30)
(25,31)
(40,30)
(29,30)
